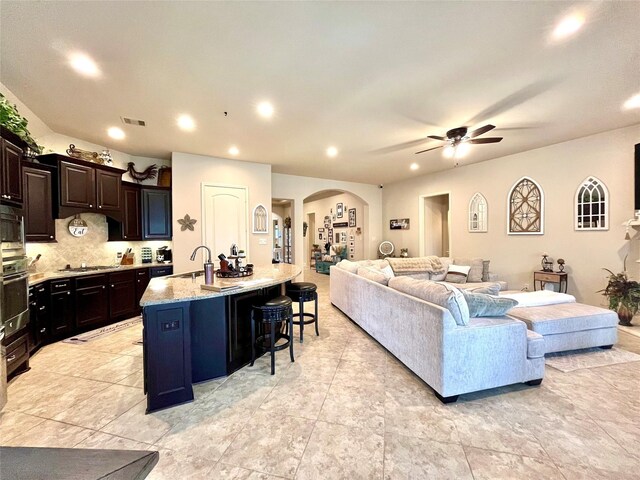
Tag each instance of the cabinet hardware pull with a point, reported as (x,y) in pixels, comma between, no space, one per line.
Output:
(68,293)
(103,287)
(112,286)
(11,358)
(50,236)
(91,205)
(99,206)
(42,330)
(41,308)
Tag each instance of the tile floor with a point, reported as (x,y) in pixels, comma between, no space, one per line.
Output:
(344,410)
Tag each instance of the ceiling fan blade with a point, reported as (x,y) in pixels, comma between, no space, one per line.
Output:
(436,137)
(429,149)
(480,131)
(485,140)
(400,146)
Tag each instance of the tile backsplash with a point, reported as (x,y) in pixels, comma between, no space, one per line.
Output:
(92,249)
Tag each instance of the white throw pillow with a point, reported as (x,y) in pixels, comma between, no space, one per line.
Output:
(446,261)
(348,265)
(373,274)
(457,274)
(387,272)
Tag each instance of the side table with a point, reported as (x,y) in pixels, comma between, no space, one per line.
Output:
(557,278)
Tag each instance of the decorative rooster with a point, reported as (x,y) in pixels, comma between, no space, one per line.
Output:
(149,172)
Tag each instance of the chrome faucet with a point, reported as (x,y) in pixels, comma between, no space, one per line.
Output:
(193,255)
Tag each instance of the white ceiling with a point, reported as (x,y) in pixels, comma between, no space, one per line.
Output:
(360,76)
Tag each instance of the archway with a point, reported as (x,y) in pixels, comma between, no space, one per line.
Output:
(335,217)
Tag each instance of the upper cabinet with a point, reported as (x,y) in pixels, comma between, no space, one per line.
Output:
(156,213)
(85,187)
(130,226)
(38,185)
(10,173)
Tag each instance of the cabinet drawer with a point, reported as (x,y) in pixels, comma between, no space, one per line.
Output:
(17,353)
(142,273)
(126,276)
(60,285)
(160,271)
(547,277)
(91,281)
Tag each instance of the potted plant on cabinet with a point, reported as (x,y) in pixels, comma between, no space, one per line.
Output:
(623,295)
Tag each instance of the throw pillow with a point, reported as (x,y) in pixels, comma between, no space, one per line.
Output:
(475,273)
(485,270)
(387,272)
(445,296)
(457,274)
(373,274)
(348,265)
(482,305)
(491,289)
(438,277)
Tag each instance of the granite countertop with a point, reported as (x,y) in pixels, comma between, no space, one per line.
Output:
(182,287)
(36,278)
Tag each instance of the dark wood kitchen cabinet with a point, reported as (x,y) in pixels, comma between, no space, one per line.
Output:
(142,281)
(62,308)
(122,294)
(39,316)
(37,182)
(86,187)
(130,228)
(10,173)
(92,301)
(156,213)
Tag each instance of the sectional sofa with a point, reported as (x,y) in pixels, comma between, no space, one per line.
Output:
(483,353)
(452,359)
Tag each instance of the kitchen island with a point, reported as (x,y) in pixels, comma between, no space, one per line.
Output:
(192,335)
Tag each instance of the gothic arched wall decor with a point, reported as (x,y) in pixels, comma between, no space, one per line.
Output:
(478,211)
(525,208)
(260,219)
(591,205)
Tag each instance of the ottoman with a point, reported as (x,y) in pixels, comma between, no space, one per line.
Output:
(570,326)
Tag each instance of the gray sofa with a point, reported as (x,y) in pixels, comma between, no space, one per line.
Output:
(451,359)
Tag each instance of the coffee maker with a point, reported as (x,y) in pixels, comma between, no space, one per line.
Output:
(164,255)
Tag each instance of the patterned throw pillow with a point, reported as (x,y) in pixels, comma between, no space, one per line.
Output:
(490,289)
(483,305)
(457,274)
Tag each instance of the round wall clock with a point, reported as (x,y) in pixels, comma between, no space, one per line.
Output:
(78,227)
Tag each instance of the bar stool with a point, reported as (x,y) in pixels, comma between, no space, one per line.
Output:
(304,292)
(273,311)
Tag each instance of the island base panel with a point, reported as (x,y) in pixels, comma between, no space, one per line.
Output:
(208,339)
(167,355)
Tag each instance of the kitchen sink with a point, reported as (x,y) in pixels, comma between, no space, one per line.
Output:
(197,273)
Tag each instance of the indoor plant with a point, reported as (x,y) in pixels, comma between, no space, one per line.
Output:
(16,123)
(623,295)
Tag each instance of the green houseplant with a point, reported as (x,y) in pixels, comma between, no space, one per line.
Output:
(623,295)
(16,123)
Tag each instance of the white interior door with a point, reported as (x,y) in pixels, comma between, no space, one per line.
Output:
(225,214)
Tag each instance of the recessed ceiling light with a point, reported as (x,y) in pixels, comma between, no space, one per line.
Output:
(332,152)
(633,102)
(234,150)
(265,109)
(83,64)
(116,133)
(568,26)
(414,166)
(185,122)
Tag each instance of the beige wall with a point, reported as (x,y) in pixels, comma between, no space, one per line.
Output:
(189,172)
(559,169)
(322,207)
(298,188)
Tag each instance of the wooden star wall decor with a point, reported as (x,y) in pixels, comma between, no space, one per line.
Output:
(187,223)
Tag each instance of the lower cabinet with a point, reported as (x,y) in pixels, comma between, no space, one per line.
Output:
(122,295)
(92,303)
(17,351)
(62,309)
(142,281)
(39,316)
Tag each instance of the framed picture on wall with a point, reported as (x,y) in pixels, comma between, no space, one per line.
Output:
(399,224)
(351,244)
(337,238)
(330,232)
(320,230)
(320,236)
(352,217)
(343,237)
(352,251)
(339,207)
(351,238)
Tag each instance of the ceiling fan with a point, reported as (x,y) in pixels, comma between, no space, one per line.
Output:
(458,139)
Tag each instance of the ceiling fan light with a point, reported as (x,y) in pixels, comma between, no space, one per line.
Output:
(462,150)
(449,151)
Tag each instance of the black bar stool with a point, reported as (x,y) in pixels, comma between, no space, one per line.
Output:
(272,312)
(304,292)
